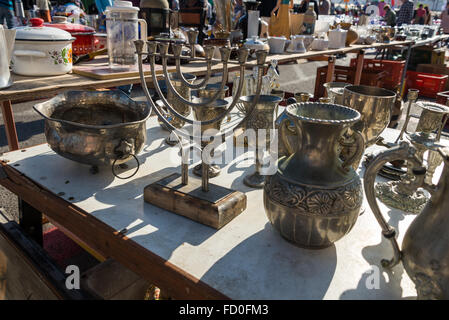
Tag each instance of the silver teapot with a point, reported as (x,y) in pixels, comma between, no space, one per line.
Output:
(425,247)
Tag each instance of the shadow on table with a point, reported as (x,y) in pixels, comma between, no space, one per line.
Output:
(266,266)
(246,166)
(146,224)
(388,282)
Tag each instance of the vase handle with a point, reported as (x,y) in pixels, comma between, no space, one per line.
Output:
(402,152)
(284,129)
(359,143)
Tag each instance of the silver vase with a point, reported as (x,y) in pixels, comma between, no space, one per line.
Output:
(314,198)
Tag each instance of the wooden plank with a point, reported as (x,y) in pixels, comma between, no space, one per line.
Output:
(330,69)
(32,88)
(110,243)
(30,220)
(26,271)
(40,87)
(214,208)
(10,125)
(111,281)
(359,67)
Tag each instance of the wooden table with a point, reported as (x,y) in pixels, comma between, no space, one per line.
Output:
(246,259)
(31,88)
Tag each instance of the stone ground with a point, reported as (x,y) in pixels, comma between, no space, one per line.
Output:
(30,126)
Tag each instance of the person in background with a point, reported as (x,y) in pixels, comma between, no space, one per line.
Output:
(405,14)
(420,15)
(266,7)
(381,7)
(210,12)
(445,19)
(324,7)
(7,13)
(428,15)
(390,16)
(280,22)
(239,10)
(44,9)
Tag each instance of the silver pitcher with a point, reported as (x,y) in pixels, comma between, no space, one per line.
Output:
(425,247)
(314,198)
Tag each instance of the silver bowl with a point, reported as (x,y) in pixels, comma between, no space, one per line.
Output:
(95,127)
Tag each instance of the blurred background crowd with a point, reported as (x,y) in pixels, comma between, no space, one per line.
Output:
(392,12)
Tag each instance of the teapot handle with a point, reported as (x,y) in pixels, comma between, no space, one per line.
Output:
(401,152)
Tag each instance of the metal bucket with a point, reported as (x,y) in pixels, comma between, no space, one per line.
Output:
(93,127)
(375,106)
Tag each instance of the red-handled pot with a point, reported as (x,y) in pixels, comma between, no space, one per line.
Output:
(41,51)
(85,36)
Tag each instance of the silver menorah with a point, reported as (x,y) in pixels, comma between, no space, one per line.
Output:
(157,49)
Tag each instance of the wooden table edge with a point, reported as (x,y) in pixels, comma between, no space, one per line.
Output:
(110,243)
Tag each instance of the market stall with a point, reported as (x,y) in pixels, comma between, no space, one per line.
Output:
(235,189)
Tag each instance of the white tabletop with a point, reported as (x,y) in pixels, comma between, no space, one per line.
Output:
(247,258)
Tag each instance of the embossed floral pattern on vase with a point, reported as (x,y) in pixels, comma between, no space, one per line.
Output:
(312,200)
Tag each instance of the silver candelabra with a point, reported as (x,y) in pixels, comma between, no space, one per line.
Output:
(209,112)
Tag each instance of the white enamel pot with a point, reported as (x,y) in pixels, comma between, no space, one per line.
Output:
(42,51)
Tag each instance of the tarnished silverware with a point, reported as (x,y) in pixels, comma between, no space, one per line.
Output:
(425,248)
(314,198)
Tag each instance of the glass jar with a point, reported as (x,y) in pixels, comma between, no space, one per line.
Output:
(122,27)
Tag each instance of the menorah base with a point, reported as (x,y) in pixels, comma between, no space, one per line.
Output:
(214,170)
(215,208)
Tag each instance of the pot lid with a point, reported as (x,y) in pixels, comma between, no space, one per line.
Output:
(72,28)
(37,32)
(122,6)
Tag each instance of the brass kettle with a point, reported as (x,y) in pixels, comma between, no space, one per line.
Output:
(425,247)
